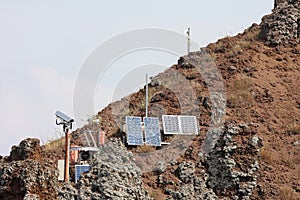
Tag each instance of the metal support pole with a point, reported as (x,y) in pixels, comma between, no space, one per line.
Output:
(188,40)
(67,148)
(66,121)
(147,95)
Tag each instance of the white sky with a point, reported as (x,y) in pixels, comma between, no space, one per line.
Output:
(43,45)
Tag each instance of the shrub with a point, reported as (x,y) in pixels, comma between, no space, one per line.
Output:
(266,156)
(241,98)
(293,129)
(145,149)
(287,193)
(289,162)
(55,145)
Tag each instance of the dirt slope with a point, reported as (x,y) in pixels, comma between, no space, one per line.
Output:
(260,71)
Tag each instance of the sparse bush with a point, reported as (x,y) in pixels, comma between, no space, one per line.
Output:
(293,129)
(287,193)
(153,194)
(145,149)
(266,156)
(55,145)
(251,34)
(241,93)
(289,162)
(241,98)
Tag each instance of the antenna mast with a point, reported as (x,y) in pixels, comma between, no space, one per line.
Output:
(188,34)
(147,95)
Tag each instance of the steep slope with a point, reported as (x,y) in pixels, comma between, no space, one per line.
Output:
(243,91)
(260,72)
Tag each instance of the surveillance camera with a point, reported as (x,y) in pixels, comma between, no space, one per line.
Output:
(65,118)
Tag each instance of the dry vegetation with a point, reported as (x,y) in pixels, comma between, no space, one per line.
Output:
(145,149)
(241,98)
(293,128)
(287,193)
(266,156)
(55,145)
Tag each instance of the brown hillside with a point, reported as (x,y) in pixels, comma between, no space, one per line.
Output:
(260,71)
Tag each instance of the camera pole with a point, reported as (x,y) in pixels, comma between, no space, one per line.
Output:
(66,121)
(67,154)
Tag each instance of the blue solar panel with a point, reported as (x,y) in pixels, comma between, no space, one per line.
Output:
(79,169)
(134,130)
(152,131)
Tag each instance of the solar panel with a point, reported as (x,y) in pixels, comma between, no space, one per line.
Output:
(79,169)
(171,124)
(134,130)
(180,124)
(188,125)
(152,131)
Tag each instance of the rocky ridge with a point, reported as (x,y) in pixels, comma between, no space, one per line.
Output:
(283,25)
(25,174)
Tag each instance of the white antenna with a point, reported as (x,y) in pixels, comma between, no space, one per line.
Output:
(147,95)
(188,35)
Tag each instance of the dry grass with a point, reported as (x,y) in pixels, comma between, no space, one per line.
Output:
(251,34)
(293,129)
(287,193)
(241,98)
(266,156)
(289,162)
(153,194)
(145,149)
(241,93)
(238,47)
(55,145)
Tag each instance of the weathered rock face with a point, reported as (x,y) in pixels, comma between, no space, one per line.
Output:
(113,175)
(28,149)
(232,167)
(282,26)
(278,2)
(193,185)
(228,171)
(24,175)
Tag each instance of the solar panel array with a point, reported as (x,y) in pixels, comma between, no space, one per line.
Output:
(188,124)
(171,124)
(180,124)
(79,169)
(152,131)
(134,130)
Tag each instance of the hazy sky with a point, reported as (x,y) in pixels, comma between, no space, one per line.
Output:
(43,45)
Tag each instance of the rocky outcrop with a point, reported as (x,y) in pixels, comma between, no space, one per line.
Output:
(113,175)
(233,167)
(25,175)
(28,149)
(228,171)
(192,185)
(278,2)
(282,26)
